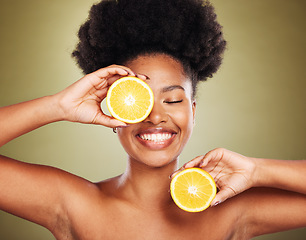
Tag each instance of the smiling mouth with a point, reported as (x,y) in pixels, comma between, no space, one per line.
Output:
(156,139)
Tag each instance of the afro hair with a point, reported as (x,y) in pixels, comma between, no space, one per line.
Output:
(117,31)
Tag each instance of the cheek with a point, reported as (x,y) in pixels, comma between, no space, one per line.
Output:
(184,119)
(123,137)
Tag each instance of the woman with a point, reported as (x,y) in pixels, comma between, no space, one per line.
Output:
(137,204)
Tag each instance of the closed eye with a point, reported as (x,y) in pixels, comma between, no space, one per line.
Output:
(171,102)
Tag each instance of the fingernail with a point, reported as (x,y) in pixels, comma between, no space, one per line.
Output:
(146,76)
(172,175)
(186,165)
(142,75)
(216,203)
(122,126)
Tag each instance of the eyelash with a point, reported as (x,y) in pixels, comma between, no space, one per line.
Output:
(172,102)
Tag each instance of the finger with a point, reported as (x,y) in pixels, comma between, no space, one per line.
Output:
(215,155)
(223,195)
(176,172)
(108,121)
(113,70)
(114,78)
(130,72)
(204,161)
(142,77)
(194,162)
(100,94)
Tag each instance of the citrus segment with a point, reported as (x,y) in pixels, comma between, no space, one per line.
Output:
(193,189)
(129,99)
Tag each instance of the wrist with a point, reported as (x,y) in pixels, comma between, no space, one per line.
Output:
(259,175)
(53,111)
(268,173)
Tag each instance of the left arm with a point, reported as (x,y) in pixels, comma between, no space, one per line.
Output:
(235,173)
(283,174)
(271,210)
(277,203)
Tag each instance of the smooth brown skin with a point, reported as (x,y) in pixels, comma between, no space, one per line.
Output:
(137,204)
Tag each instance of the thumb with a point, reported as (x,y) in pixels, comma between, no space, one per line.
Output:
(222,195)
(108,121)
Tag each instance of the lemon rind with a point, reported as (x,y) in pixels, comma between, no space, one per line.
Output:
(183,207)
(144,84)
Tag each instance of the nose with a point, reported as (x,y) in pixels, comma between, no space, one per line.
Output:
(157,115)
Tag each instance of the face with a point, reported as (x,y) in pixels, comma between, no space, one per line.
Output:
(159,139)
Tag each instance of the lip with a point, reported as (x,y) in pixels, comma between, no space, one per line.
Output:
(154,134)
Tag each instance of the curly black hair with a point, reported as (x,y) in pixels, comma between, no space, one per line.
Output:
(117,31)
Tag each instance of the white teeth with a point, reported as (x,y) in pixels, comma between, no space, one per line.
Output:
(156,137)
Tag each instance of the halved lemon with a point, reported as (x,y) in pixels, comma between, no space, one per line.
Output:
(193,189)
(130,99)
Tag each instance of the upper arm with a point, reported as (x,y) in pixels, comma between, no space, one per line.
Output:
(272,210)
(34,192)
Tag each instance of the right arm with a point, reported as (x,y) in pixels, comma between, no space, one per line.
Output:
(39,193)
(18,119)
(79,102)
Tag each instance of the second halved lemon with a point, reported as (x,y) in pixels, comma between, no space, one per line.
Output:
(193,189)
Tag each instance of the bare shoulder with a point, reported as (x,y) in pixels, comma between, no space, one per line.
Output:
(81,200)
(88,208)
(77,190)
(42,194)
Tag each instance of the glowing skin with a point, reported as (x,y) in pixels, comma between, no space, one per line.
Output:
(159,139)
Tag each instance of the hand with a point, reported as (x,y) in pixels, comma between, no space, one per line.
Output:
(81,102)
(232,172)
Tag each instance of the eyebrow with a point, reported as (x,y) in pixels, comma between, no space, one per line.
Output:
(171,88)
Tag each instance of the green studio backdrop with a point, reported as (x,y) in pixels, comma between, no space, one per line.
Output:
(254,105)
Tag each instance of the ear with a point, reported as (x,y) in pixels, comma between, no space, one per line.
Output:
(194,105)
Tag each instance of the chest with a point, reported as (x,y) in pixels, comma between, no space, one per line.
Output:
(135,224)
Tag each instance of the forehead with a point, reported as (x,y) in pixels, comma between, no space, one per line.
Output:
(162,71)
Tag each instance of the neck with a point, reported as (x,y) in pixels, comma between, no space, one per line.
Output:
(147,187)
